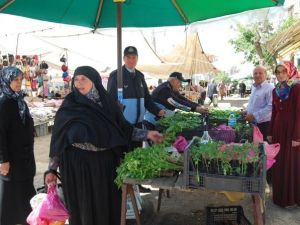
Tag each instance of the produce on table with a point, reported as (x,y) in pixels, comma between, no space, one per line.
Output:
(185,120)
(226,159)
(144,163)
(218,113)
(147,163)
(244,132)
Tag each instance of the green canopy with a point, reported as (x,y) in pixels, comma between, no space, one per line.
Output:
(136,13)
(130,13)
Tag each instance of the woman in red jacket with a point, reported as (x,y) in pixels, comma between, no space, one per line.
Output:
(285,129)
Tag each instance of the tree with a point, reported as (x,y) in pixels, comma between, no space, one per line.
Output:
(223,76)
(252,38)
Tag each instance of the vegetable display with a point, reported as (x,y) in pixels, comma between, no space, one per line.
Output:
(214,157)
(146,163)
(226,159)
(218,113)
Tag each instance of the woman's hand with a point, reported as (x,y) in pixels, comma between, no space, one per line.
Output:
(155,136)
(50,178)
(295,143)
(4,168)
(269,138)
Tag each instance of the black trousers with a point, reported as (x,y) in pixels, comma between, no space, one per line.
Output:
(264,129)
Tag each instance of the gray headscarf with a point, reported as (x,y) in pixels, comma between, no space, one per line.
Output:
(7,75)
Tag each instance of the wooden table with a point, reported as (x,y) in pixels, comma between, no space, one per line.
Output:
(175,182)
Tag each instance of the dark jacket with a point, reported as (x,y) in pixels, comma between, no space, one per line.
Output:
(172,100)
(242,87)
(211,90)
(136,97)
(16,141)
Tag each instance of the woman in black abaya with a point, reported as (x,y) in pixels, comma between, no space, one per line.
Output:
(89,137)
(17,164)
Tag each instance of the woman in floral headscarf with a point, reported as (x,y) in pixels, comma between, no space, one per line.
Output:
(285,129)
(17,164)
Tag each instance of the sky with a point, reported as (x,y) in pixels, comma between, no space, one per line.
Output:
(51,41)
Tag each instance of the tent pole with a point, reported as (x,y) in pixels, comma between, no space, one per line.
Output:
(119,50)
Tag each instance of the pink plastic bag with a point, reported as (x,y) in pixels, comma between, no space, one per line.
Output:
(271,151)
(180,144)
(270,163)
(257,135)
(50,211)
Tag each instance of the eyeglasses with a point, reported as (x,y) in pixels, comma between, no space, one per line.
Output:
(278,72)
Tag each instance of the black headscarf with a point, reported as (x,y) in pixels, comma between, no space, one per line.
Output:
(7,75)
(81,120)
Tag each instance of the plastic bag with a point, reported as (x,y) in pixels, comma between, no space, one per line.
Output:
(180,144)
(50,211)
(257,135)
(271,151)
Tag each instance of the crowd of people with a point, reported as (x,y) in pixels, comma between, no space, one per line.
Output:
(92,131)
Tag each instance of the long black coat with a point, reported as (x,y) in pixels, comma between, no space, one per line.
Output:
(16,147)
(16,141)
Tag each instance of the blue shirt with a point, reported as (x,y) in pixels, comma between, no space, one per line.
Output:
(260,102)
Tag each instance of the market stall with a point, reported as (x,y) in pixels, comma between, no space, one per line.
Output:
(43,113)
(199,153)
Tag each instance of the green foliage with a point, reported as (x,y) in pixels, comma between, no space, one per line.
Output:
(290,21)
(182,119)
(217,113)
(145,163)
(223,76)
(226,159)
(252,38)
(250,42)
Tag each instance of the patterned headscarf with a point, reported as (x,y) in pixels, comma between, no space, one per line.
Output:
(7,75)
(293,78)
(93,95)
(291,70)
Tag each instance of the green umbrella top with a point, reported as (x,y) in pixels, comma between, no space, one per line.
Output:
(136,13)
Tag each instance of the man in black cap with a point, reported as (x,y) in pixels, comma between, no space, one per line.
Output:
(136,97)
(167,96)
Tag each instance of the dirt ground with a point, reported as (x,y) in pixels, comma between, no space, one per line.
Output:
(183,207)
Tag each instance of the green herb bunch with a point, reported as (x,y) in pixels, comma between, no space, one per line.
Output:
(145,163)
(185,120)
(218,113)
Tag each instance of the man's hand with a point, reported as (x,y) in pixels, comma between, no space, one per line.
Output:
(243,112)
(162,113)
(155,136)
(201,109)
(50,178)
(4,168)
(295,143)
(249,117)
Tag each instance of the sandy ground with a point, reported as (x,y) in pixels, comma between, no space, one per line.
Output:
(183,207)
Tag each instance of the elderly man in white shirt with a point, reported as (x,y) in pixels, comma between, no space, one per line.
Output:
(259,109)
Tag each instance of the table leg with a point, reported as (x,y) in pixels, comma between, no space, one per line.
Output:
(133,200)
(160,192)
(258,218)
(124,204)
(168,194)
